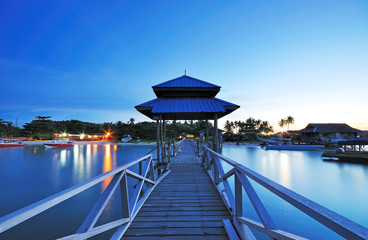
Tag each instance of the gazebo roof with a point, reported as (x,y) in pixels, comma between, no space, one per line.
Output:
(186,98)
(186,108)
(186,86)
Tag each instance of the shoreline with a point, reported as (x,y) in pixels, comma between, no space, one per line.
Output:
(240,144)
(91,143)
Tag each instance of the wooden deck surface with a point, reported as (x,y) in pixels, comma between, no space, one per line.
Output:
(185,205)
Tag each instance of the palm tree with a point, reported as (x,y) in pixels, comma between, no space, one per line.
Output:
(282,123)
(228,126)
(257,123)
(289,120)
(131,121)
(43,117)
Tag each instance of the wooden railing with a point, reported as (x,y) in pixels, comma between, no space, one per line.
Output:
(177,146)
(148,173)
(233,198)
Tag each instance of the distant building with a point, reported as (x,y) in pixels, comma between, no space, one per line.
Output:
(327,132)
(363,134)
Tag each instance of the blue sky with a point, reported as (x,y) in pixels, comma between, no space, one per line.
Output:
(95,60)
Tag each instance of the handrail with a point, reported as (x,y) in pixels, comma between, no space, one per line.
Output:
(177,146)
(233,199)
(131,205)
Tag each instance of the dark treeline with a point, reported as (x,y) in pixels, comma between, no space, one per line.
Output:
(247,129)
(45,128)
(250,125)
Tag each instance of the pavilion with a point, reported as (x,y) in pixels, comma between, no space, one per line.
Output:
(185,98)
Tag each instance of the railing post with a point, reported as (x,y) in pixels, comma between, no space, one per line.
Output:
(216,172)
(168,151)
(125,195)
(140,167)
(238,196)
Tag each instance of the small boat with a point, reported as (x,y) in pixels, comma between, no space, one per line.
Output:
(58,144)
(6,143)
(301,147)
(341,155)
(126,139)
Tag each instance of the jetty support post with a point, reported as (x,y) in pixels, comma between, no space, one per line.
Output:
(158,139)
(162,140)
(207,131)
(215,134)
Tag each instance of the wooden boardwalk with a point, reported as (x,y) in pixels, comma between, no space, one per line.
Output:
(185,205)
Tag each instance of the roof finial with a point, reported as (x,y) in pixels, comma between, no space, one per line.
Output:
(185,72)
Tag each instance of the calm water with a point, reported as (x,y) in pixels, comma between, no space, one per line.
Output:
(341,187)
(32,173)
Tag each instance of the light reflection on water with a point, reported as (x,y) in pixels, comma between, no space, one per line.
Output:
(285,170)
(109,163)
(33,172)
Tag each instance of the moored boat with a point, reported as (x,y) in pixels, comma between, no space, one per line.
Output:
(345,156)
(6,143)
(126,139)
(58,144)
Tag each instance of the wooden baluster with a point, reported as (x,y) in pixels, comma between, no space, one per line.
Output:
(238,196)
(125,195)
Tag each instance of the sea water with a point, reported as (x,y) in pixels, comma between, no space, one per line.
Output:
(341,187)
(33,172)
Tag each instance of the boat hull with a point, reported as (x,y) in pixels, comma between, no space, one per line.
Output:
(294,147)
(355,157)
(11,145)
(58,145)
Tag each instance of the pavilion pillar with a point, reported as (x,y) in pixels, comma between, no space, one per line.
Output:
(215,134)
(207,130)
(162,140)
(158,139)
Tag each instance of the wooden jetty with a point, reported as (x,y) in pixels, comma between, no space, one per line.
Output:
(184,205)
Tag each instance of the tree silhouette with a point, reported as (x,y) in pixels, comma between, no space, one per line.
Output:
(43,117)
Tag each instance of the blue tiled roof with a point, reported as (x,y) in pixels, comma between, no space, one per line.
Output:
(186,108)
(185,82)
(187,105)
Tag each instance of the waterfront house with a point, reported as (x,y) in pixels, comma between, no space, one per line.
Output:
(327,132)
(363,134)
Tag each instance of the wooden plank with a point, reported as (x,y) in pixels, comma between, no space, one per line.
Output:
(183,213)
(186,224)
(185,200)
(175,231)
(150,204)
(183,208)
(199,237)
